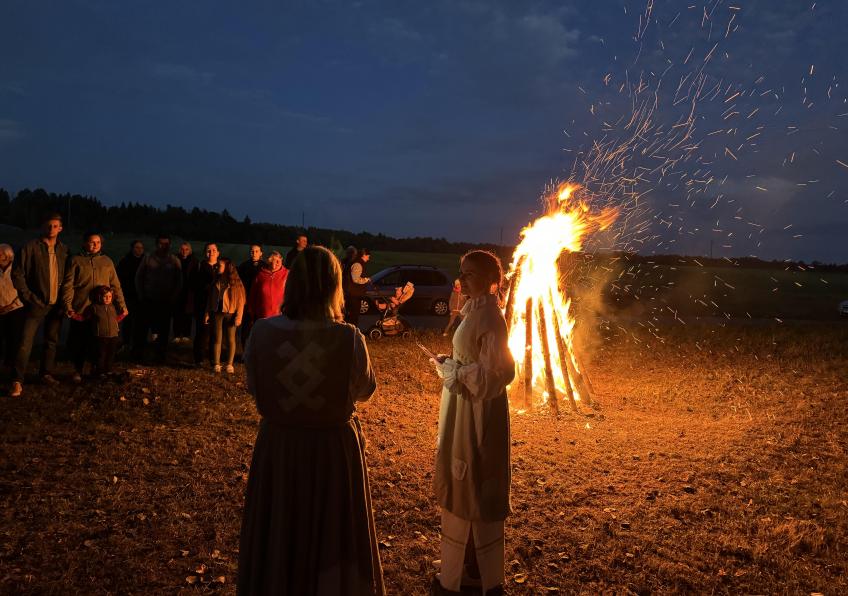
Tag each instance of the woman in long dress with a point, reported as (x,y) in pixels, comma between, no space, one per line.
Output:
(472,462)
(308,528)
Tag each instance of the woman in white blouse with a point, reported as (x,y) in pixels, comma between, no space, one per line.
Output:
(472,463)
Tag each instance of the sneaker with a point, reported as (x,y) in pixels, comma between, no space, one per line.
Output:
(49,379)
(217,368)
(16,390)
(77,378)
(231,369)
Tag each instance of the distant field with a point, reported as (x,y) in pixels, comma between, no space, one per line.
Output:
(691,291)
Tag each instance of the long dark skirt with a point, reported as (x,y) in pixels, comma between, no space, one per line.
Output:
(308,528)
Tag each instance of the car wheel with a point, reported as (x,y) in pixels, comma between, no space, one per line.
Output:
(440,307)
(364,307)
(375,333)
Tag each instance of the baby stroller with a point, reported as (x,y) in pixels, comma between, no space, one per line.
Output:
(390,323)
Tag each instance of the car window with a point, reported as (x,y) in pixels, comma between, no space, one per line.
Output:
(438,278)
(390,279)
(418,277)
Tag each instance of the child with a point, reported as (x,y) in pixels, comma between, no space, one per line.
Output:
(457,301)
(104,321)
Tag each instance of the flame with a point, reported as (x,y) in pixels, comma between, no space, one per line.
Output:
(535,275)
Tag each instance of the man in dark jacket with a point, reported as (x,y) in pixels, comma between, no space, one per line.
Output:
(127,268)
(37,276)
(201,282)
(184,310)
(301,243)
(247,272)
(158,282)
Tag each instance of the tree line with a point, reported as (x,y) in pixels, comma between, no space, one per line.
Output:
(81,212)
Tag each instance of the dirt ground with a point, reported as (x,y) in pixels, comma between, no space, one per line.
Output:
(713,462)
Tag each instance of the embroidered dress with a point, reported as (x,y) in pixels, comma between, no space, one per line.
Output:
(472,463)
(308,528)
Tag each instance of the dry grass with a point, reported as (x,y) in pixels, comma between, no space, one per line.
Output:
(715,462)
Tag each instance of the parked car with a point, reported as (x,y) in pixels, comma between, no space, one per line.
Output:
(843,309)
(433,287)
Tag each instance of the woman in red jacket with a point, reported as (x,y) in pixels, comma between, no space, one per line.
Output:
(266,293)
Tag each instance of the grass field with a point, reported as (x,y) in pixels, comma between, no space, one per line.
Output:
(714,462)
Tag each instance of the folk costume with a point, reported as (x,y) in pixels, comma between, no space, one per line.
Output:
(308,527)
(472,462)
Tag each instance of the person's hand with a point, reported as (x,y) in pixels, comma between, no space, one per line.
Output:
(71,314)
(443,364)
(446,369)
(206,319)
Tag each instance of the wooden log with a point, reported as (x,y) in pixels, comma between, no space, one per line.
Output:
(584,374)
(546,355)
(563,359)
(579,382)
(510,304)
(577,379)
(528,354)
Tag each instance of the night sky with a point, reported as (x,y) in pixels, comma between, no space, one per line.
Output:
(442,118)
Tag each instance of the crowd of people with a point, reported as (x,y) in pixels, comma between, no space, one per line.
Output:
(308,523)
(139,303)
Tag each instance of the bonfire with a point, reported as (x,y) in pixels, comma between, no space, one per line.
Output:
(538,308)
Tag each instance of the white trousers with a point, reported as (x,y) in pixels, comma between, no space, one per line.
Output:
(488,544)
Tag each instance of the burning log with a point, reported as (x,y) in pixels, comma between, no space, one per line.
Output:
(546,355)
(579,381)
(528,354)
(510,299)
(563,358)
(584,376)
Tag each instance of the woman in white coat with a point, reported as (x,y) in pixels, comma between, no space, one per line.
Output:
(473,463)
